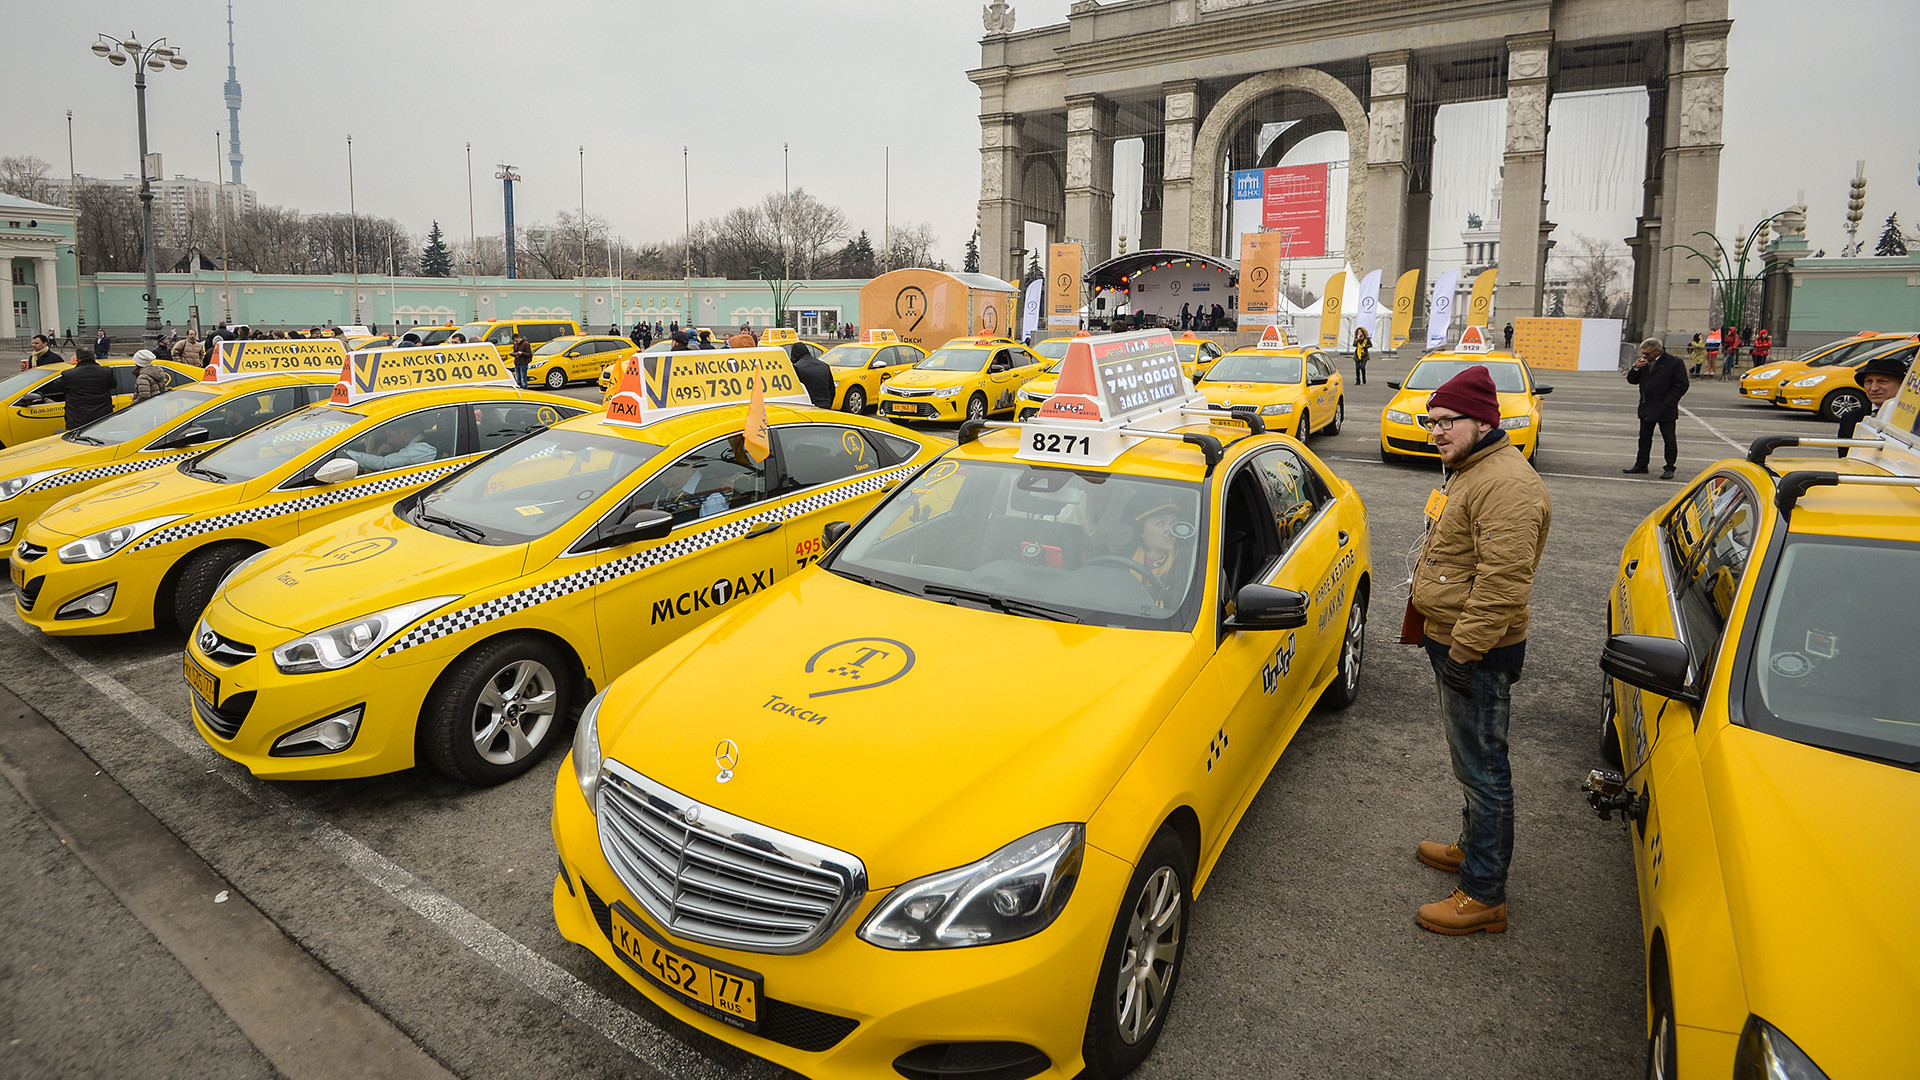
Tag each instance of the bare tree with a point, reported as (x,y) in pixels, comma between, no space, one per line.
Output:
(109,229)
(809,227)
(913,244)
(1594,275)
(27,177)
(492,256)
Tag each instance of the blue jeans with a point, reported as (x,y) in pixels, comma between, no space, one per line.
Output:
(520,375)
(1477,742)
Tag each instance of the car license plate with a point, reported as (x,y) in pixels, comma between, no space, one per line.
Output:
(902,408)
(729,991)
(204,682)
(19,575)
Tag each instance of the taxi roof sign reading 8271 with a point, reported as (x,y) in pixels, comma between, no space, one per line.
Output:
(1108,384)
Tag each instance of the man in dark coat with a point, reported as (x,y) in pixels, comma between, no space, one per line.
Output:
(814,374)
(102,344)
(43,353)
(1662,378)
(88,389)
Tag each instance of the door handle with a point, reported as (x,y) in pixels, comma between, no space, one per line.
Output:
(761,530)
(1344,538)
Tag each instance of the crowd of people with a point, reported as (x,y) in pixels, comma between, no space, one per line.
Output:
(1716,355)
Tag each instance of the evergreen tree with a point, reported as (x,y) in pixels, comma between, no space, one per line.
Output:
(1034,273)
(972,263)
(435,259)
(1891,242)
(856,259)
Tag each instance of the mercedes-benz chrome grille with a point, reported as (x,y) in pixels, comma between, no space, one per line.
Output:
(710,877)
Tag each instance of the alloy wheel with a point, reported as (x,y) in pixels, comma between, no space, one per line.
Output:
(1147,962)
(514,712)
(1353,650)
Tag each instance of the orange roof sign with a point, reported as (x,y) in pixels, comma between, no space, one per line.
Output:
(1111,386)
(1273,337)
(879,337)
(1473,340)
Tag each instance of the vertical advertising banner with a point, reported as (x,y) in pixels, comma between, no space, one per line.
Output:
(1295,205)
(1440,309)
(1330,310)
(1480,305)
(1405,293)
(1030,313)
(1249,200)
(1063,285)
(1369,303)
(1259,279)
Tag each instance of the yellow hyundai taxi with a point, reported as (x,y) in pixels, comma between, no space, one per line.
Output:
(813,830)
(33,404)
(1761,724)
(859,370)
(463,625)
(163,430)
(1763,382)
(1403,433)
(965,379)
(146,550)
(1833,390)
(579,358)
(1295,388)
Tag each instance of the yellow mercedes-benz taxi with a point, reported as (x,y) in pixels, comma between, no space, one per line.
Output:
(462,626)
(579,358)
(1295,388)
(1764,381)
(1761,724)
(146,550)
(965,379)
(813,829)
(1833,390)
(1403,432)
(33,404)
(163,430)
(860,370)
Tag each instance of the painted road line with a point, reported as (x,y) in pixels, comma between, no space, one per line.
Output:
(653,1047)
(1738,449)
(1411,463)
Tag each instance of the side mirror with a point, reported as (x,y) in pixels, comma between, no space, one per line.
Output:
(1543,389)
(1317,380)
(186,436)
(1393,386)
(878,364)
(337,471)
(1656,664)
(831,535)
(30,400)
(1264,607)
(641,523)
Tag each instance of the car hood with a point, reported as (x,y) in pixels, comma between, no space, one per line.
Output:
(1415,402)
(913,734)
(52,452)
(366,563)
(1250,393)
(921,379)
(1042,386)
(1818,852)
(137,497)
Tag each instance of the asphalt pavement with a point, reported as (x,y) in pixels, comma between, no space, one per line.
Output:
(421,907)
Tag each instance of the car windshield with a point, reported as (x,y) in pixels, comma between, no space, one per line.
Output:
(956,360)
(1054,349)
(1188,350)
(1433,374)
(561,344)
(141,417)
(1848,352)
(1833,663)
(473,331)
(530,488)
(1899,350)
(852,356)
(1254,368)
(1048,543)
(270,446)
(26,381)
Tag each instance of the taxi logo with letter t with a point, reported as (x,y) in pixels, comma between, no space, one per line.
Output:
(1277,668)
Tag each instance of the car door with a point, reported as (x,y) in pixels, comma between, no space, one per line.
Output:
(1316,553)
(808,458)
(1319,398)
(1003,380)
(239,415)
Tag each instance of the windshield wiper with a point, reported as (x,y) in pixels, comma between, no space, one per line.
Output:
(460,528)
(88,439)
(875,582)
(1005,604)
(215,475)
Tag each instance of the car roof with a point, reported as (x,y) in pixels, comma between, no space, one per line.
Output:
(1255,350)
(980,342)
(408,400)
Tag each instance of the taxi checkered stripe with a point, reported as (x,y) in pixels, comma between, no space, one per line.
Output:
(467,618)
(81,476)
(292,506)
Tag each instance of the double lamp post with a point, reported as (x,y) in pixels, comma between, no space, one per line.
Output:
(158,56)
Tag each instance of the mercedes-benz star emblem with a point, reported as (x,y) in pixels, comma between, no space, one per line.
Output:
(727,756)
(691,815)
(208,639)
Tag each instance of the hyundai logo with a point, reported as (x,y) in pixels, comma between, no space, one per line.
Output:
(208,640)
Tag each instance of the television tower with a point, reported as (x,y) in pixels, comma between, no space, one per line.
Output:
(233,103)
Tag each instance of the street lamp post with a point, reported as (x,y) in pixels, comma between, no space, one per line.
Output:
(158,56)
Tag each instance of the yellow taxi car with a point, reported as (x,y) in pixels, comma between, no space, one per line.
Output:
(859,370)
(1402,423)
(576,359)
(1039,388)
(33,405)
(499,333)
(147,550)
(1763,382)
(462,626)
(812,830)
(382,341)
(163,430)
(1833,390)
(965,379)
(1295,388)
(1197,354)
(1761,728)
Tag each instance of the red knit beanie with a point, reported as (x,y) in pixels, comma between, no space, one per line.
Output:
(1469,393)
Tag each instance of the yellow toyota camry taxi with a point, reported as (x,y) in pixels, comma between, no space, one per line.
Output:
(1295,388)
(463,625)
(578,358)
(163,430)
(1402,434)
(965,379)
(33,405)
(859,370)
(1833,390)
(1761,724)
(147,550)
(1763,382)
(814,830)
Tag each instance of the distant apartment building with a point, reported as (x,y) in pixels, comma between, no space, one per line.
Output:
(174,200)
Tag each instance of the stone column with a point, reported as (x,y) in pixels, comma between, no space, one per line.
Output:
(1176,164)
(1690,175)
(1386,224)
(1002,211)
(47,275)
(1523,211)
(6,297)
(1645,310)
(1089,217)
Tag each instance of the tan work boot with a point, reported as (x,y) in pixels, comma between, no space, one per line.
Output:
(1446,857)
(1461,914)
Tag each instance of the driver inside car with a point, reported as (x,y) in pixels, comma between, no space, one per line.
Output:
(1161,536)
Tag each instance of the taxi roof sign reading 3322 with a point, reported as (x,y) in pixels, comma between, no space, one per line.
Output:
(1114,391)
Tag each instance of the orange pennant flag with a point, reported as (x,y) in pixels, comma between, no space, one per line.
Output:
(758,446)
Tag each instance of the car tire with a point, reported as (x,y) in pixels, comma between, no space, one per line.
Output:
(1610,754)
(1339,416)
(199,578)
(977,407)
(1388,457)
(1124,1025)
(856,400)
(556,378)
(1662,1052)
(475,726)
(1305,430)
(1345,688)
(1843,403)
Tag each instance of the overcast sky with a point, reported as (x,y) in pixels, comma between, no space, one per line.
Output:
(1810,90)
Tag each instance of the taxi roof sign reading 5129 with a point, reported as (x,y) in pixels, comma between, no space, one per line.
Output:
(655,386)
(266,356)
(379,372)
(1109,384)
(1473,340)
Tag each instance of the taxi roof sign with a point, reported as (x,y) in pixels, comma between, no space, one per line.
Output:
(1473,340)
(658,386)
(1114,391)
(269,356)
(372,373)
(1273,337)
(879,337)
(779,335)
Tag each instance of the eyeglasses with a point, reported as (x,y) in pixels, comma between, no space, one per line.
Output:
(1440,423)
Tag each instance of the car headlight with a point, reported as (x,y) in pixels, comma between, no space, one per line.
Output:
(948,391)
(1766,373)
(1811,380)
(14,486)
(1276,410)
(6,531)
(1013,893)
(106,542)
(1395,416)
(1765,1054)
(1509,423)
(586,749)
(349,642)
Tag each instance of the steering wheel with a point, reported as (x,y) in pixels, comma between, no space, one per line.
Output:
(1138,569)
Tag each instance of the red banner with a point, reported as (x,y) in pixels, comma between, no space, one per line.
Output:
(1295,205)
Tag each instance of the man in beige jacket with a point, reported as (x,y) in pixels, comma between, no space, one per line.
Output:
(1471,588)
